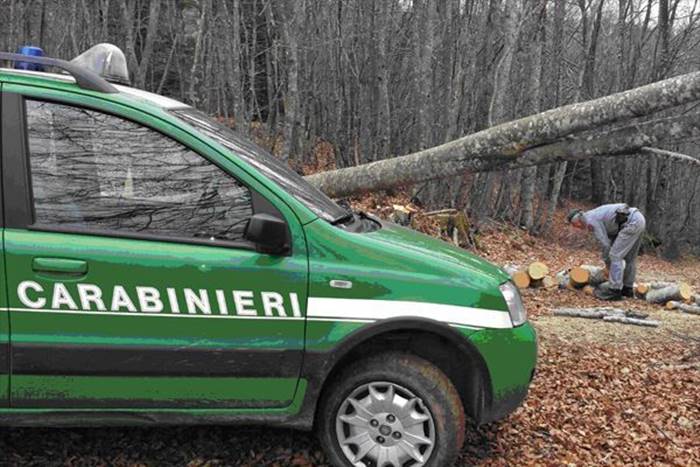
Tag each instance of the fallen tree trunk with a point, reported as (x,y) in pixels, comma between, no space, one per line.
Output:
(670,155)
(500,145)
(620,141)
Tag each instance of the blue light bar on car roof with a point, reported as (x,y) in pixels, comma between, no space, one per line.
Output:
(30,51)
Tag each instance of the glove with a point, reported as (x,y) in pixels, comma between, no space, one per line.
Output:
(606,255)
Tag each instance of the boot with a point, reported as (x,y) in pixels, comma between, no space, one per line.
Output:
(628,292)
(604,292)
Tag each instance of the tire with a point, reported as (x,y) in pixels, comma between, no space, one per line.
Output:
(358,406)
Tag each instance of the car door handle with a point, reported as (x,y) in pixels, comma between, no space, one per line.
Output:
(60,265)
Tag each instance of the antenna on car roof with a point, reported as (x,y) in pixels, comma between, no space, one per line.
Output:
(84,78)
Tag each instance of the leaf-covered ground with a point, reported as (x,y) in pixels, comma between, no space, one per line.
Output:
(604,393)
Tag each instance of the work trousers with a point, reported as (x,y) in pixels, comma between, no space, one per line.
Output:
(622,258)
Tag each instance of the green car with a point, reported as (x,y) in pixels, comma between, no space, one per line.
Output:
(161,269)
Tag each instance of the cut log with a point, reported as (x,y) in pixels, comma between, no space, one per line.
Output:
(440,211)
(591,313)
(636,321)
(589,290)
(563,279)
(659,284)
(521,279)
(679,292)
(518,275)
(686,291)
(641,290)
(596,274)
(579,277)
(500,145)
(537,270)
(615,315)
(401,215)
(692,309)
(684,307)
(548,282)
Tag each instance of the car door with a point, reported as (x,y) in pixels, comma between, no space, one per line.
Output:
(130,282)
(4,314)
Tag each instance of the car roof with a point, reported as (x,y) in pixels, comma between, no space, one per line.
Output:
(141,96)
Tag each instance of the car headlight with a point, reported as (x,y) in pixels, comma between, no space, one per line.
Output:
(510,292)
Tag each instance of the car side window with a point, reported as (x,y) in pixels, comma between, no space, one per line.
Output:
(102,173)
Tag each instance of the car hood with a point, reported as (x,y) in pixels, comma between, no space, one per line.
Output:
(435,252)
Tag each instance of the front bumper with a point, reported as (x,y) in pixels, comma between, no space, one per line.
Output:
(510,356)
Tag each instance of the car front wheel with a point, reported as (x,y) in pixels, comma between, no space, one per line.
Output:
(391,410)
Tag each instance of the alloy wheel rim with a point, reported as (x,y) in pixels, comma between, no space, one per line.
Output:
(383,424)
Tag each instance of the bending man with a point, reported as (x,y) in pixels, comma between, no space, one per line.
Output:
(618,228)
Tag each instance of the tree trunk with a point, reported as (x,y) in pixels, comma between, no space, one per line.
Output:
(292,124)
(529,178)
(558,172)
(147,50)
(233,61)
(383,114)
(424,24)
(196,70)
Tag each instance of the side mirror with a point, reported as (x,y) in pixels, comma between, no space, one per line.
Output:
(269,233)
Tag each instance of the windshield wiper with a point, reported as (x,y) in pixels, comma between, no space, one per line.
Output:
(344,219)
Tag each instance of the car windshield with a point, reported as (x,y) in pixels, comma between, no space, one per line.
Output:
(272,167)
